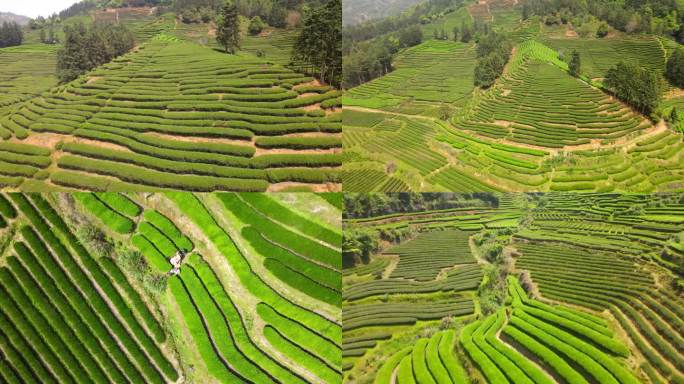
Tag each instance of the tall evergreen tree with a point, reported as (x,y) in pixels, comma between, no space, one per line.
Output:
(641,88)
(320,42)
(86,48)
(10,34)
(674,71)
(574,66)
(228,31)
(466,32)
(51,36)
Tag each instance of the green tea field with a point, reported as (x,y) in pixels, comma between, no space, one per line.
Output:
(425,126)
(175,112)
(513,288)
(176,115)
(165,288)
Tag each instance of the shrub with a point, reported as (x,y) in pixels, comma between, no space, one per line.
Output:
(256,25)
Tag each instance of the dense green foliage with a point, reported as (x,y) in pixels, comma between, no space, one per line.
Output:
(10,34)
(634,16)
(674,70)
(493,52)
(575,65)
(228,28)
(88,47)
(636,86)
(364,205)
(320,42)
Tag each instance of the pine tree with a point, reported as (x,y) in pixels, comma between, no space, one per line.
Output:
(574,66)
(674,71)
(466,33)
(320,42)
(228,31)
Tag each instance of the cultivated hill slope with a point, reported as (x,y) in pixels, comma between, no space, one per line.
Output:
(602,298)
(537,128)
(177,115)
(88,297)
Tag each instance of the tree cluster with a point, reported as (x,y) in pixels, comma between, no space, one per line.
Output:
(493,52)
(575,64)
(10,34)
(272,12)
(88,47)
(358,245)
(319,44)
(41,22)
(79,8)
(674,70)
(197,15)
(631,16)
(363,205)
(636,86)
(47,36)
(85,6)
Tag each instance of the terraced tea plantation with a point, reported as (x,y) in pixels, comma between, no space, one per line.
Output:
(424,127)
(69,316)
(609,256)
(432,72)
(25,72)
(170,287)
(589,290)
(405,290)
(177,115)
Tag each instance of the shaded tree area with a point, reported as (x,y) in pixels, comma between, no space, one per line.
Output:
(319,44)
(674,70)
(636,86)
(228,27)
(663,17)
(363,205)
(47,36)
(493,52)
(256,25)
(271,12)
(358,245)
(575,64)
(10,34)
(83,7)
(88,47)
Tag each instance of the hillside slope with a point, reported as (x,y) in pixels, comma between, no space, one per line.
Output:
(569,288)
(89,293)
(425,127)
(178,115)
